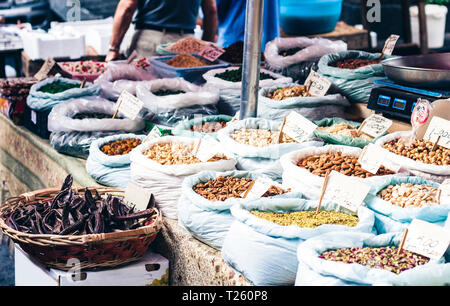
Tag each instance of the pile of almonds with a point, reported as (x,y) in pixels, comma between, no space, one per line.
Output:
(409,195)
(346,164)
(420,150)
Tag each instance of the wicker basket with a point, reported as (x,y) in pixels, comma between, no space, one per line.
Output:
(94,251)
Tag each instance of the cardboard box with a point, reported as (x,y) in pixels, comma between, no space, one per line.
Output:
(151,270)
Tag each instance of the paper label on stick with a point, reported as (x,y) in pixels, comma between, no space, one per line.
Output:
(376,125)
(372,157)
(438,127)
(444,190)
(45,69)
(389,45)
(33,117)
(259,188)
(298,127)
(427,239)
(316,84)
(211,52)
(345,191)
(137,196)
(154,133)
(129,105)
(208,148)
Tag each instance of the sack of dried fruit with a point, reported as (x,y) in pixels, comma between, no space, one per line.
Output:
(404,151)
(201,126)
(206,199)
(262,242)
(342,132)
(296,56)
(356,80)
(171,100)
(162,164)
(402,199)
(46,94)
(276,102)
(304,170)
(356,259)
(109,159)
(254,142)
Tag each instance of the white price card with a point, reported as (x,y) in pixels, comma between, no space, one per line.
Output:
(316,84)
(129,105)
(154,133)
(375,125)
(298,127)
(258,188)
(138,196)
(438,127)
(372,157)
(33,117)
(444,192)
(389,45)
(345,191)
(207,148)
(427,239)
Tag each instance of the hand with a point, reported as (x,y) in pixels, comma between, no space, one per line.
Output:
(112,55)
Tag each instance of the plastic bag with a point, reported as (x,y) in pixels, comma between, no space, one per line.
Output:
(206,220)
(164,181)
(259,158)
(314,271)
(169,110)
(41,101)
(302,180)
(313,108)
(428,171)
(229,101)
(265,252)
(61,117)
(341,139)
(355,84)
(183,128)
(121,76)
(112,171)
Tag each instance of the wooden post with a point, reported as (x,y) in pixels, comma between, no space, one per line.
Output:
(423,28)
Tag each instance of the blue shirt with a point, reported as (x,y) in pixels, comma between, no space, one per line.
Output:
(168,13)
(231,14)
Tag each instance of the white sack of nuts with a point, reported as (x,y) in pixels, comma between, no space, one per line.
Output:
(165,180)
(302,180)
(430,171)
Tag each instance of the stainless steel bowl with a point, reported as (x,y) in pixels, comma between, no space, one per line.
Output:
(422,71)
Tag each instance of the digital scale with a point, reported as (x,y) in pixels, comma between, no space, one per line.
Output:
(398,101)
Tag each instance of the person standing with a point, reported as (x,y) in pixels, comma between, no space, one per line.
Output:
(159,22)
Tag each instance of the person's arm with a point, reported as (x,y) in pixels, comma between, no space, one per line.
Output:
(122,20)
(210,20)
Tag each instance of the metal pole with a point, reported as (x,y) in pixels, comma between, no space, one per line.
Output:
(252,58)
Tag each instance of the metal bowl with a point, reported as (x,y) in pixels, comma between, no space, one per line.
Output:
(422,71)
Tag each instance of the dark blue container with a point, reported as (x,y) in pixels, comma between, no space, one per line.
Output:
(309,17)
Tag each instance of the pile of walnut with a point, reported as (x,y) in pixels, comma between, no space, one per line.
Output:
(289,92)
(175,154)
(344,129)
(259,138)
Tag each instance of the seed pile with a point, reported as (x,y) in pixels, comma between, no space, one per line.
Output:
(235,75)
(259,138)
(344,129)
(308,219)
(209,127)
(188,45)
(345,164)
(57,87)
(354,63)
(234,53)
(288,92)
(176,154)
(185,61)
(167,92)
(420,150)
(409,195)
(379,258)
(120,147)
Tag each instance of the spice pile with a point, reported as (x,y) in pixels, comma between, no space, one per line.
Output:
(308,219)
(420,150)
(120,147)
(85,67)
(234,53)
(409,195)
(167,92)
(235,75)
(354,63)
(58,87)
(259,138)
(344,129)
(208,127)
(223,188)
(177,154)
(289,92)
(185,61)
(379,258)
(70,213)
(346,164)
(188,45)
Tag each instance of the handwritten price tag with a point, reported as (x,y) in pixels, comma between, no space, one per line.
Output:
(45,69)
(375,125)
(317,85)
(154,133)
(298,127)
(438,127)
(372,157)
(427,239)
(259,188)
(211,52)
(137,196)
(129,105)
(208,148)
(389,45)
(345,191)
